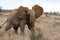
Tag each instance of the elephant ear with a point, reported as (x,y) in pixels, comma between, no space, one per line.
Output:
(22,12)
(38,10)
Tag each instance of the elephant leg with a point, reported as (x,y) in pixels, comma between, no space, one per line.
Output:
(8,26)
(22,26)
(15,29)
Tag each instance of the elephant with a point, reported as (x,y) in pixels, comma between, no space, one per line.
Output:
(14,19)
(38,10)
(27,18)
(23,16)
(19,18)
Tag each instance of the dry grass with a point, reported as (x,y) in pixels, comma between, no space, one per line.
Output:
(46,28)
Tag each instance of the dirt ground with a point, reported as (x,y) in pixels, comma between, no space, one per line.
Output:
(48,27)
